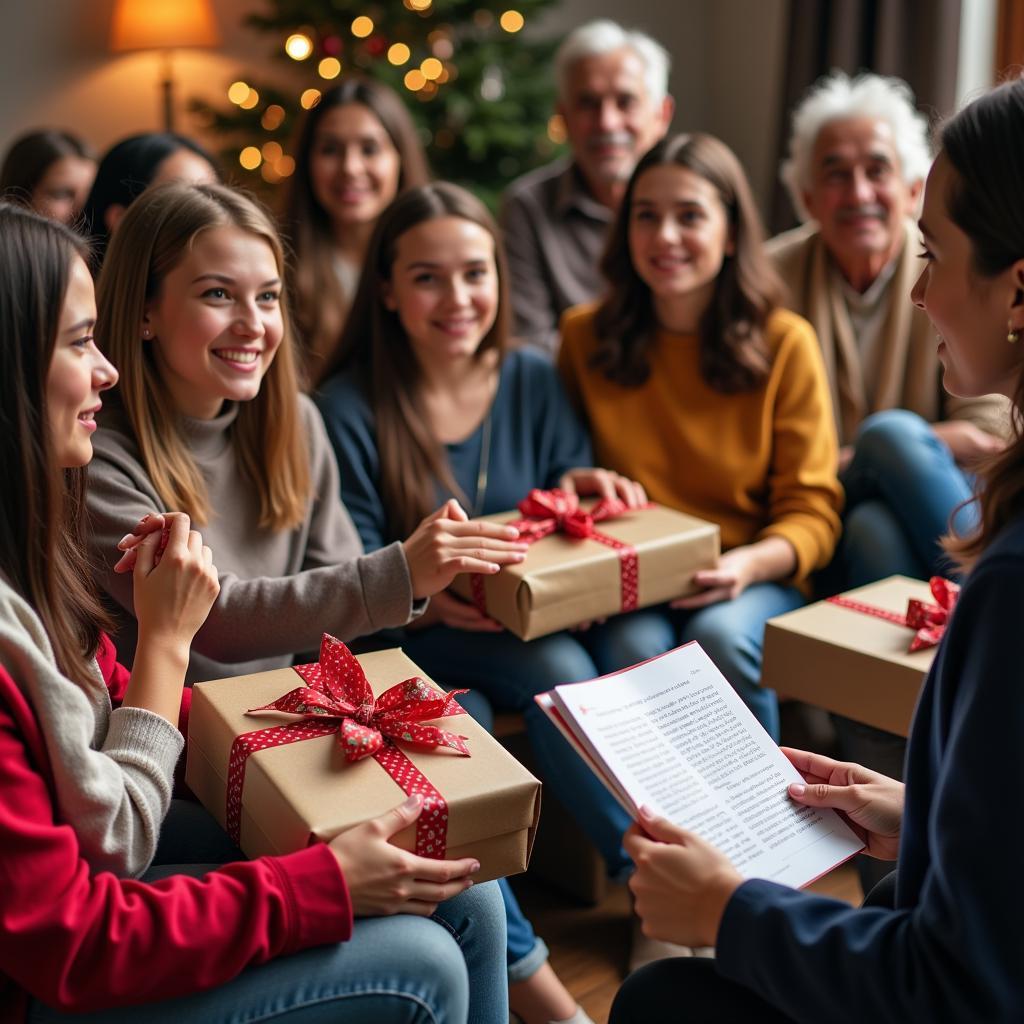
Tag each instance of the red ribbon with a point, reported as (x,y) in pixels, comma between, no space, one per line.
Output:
(927,620)
(338,699)
(556,511)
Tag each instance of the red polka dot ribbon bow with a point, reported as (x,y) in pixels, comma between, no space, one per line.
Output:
(927,620)
(556,511)
(337,698)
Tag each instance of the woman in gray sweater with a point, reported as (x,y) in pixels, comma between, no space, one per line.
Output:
(209,419)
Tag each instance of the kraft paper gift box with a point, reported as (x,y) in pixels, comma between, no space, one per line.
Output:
(304,791)
(852,662)
(566,580)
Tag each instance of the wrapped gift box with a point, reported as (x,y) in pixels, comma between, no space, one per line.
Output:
(567,580)
(307,790)
(848,661)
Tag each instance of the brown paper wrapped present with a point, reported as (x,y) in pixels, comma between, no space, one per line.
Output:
(854,662)
(308,789)
(583,565)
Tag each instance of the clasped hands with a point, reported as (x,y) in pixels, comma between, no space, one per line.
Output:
(682,884)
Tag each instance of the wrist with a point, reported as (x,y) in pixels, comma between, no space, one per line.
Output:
(171,650)
(717,896)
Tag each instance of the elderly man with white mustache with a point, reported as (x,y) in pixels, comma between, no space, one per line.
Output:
(613,98)
(858,156)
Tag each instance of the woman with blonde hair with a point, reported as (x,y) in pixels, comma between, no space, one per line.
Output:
(210,420)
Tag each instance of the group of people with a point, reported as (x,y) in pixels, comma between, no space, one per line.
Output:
(303,443)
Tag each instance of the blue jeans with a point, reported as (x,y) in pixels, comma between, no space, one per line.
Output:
(448,969)
(903,487)
(730,632)
(509,672)
(401,969)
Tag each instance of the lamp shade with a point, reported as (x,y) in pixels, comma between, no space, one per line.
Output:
(162,24)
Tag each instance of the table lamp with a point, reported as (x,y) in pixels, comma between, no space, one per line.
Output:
(164,25)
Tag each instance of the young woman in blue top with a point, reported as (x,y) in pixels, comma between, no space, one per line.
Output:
(429,402)
(948,946)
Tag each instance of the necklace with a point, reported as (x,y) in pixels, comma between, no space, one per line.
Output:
(483,466)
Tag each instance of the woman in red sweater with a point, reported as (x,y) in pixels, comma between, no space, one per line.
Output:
(86,754)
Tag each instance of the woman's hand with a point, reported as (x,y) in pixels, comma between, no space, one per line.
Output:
(967,441)
(872,804)
(174,591)
(681,883)
(155,522)
(449,609)
(770,559)
(605,484)
(448,542)
(384,880)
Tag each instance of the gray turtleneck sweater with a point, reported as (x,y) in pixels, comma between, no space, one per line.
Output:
(280,590)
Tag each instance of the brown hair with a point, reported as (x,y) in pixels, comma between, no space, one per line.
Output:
(268,435)
(32,155)
(984,145)
(42,508)
(733,353)
(320,307)
(375,346)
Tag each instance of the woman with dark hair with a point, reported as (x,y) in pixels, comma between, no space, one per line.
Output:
(431,403)
(87,757)
(726,399)
(356,150)
(945,943)
(52,171)
(130,167)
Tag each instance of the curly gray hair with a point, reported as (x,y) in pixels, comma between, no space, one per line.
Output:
(837,97)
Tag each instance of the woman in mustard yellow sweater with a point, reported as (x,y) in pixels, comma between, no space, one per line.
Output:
(696,383)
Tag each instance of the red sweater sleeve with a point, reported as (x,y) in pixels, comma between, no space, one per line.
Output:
(78,941)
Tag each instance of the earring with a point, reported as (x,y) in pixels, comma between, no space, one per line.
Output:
(145,333)
(1013,336)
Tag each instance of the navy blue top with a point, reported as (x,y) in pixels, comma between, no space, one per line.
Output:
(953,949)
(535,437)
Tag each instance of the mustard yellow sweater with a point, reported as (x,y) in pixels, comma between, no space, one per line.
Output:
(761,463)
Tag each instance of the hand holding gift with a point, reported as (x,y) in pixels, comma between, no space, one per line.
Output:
(605,484)
(448,542)
(384,880)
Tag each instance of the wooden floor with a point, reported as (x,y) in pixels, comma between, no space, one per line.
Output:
(590,945)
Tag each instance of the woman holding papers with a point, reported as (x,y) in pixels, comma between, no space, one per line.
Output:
(87,757)
(726,400)
(949,945)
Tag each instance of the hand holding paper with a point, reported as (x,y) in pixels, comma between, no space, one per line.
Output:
(872,804)
(681,884)
(671,734)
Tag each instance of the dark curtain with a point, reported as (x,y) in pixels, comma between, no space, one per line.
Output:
(916,40)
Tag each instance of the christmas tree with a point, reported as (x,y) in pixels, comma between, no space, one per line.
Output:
(482,95)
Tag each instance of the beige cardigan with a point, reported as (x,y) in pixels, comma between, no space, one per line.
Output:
(910,375)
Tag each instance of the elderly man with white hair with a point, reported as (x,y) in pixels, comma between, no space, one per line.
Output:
(613,98)
(858,156)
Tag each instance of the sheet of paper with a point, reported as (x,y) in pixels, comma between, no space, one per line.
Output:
(673,735)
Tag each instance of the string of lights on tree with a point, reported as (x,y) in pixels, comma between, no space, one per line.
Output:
(480,91)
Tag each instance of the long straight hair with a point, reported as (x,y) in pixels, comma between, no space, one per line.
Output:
(268,436)
(320,307)
(984,144)
(413,462)
(42,508)
(733,353)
